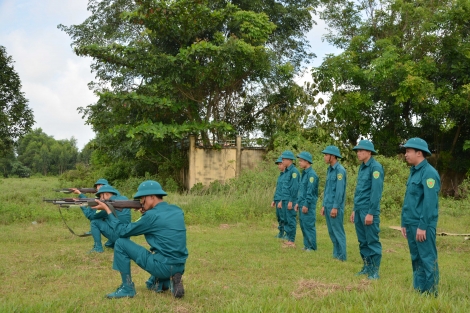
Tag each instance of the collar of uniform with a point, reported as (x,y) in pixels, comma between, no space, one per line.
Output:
(334,166)
(308,169)
(290,167)
(420,165)
(369,162)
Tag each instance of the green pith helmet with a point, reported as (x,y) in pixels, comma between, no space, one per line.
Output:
(279,160)
(288,155)
(333,150)
(365,145)
(418,144)
(101,181)
(148,188)
(106,188)
(306,156)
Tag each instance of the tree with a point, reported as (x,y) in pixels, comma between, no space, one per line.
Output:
(43,154)
(166,69)
(404,72)
(16,118)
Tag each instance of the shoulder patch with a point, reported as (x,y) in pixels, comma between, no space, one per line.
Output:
(376,174)
(312,179)
(339,176)
(430,182)
(294,175)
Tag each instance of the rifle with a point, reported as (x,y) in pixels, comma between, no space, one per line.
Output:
(112,204)
(82,190)
(68,200)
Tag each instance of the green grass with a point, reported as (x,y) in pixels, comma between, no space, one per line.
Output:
(232,267)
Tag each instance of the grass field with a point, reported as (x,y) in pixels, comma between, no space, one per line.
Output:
(232,267)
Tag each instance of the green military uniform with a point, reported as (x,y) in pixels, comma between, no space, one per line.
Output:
(420,210)
(98,220)
(164,230)
(280,215)
(367,197)
(290,189)
(308,196)
(334,196)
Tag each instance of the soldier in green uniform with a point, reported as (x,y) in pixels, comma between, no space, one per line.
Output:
(277,198)
(419,216)
(98,219)
(290,189)
(100,182)
(307,201)
(334,197)
(366,212)
(164,229)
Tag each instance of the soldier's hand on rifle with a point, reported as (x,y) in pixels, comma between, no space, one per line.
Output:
(101,206)
(75,190)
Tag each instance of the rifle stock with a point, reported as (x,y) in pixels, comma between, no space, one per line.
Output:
(118,204)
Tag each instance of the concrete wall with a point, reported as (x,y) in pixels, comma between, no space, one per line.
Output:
(207,165)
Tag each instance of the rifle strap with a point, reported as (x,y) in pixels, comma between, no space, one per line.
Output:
(111,207)
(70,229)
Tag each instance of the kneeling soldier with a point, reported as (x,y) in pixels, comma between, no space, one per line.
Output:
(164,229)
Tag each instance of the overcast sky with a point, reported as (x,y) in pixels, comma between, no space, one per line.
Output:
(54,79)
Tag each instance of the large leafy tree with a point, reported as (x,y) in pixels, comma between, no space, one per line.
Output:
(16,118)
(169,68)
(43,154)
(404,72)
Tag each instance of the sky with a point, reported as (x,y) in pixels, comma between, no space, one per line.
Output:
(53,78)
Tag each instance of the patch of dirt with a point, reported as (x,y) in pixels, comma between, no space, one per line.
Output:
(315,289)
(224,226)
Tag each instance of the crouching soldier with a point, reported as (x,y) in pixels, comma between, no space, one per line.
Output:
(164,229)
(98,221)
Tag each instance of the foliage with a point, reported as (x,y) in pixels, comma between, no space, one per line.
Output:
(16,118)
(403,73)
(166,69)
(43,154)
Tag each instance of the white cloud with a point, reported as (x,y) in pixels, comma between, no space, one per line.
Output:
(54,79)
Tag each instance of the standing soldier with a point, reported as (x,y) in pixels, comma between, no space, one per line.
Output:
(419,216)
(366,212)
(290,189)
(277,198)
(307,201)
(334,197)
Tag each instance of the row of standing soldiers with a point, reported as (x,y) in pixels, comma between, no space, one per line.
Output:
(297,193)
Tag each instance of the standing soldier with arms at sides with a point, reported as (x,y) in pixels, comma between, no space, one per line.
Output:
(419,216)
(290,189)
(277,198)
(366,212)
(164,229)
(307,201)
(334,197)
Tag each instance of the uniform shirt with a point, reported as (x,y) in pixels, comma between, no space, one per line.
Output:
(370,183)
(277,193)
(124,215)
(290,184)
(308,189)
(334,194)
(421,203)
(164,230)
